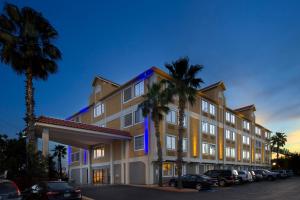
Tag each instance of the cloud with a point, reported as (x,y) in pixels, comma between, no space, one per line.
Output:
(293,141)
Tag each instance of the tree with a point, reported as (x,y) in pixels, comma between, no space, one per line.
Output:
(184,85)
(25,45)
(156,104)
(277,141)
(59,151)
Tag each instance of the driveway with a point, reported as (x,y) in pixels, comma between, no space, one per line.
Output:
(281,189)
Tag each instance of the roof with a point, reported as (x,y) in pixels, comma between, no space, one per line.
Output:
(252,106)
(212,86)
(72,124)
(105,80)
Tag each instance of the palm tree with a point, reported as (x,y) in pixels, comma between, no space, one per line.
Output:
(278,140)
(59,151)
(156,104)
(25,45)
(184,85)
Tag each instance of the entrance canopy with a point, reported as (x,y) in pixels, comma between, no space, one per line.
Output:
(76,134)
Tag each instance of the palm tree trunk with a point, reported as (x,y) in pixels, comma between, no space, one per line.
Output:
(159,152)
(179,143)
(29,117)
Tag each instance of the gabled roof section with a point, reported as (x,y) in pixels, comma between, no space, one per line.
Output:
(77,125)
(249,107)
(217,84)
(105,80)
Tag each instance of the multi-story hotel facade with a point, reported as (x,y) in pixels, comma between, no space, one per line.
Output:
(215,136)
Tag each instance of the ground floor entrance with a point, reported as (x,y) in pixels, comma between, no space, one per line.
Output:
(101,176)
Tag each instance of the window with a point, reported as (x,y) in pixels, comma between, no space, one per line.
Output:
(230,152)
(257,144)
(128,120)
(139,89)
(246,125)
(267,135)
(212,129)
(171,142)
(204,127)
(267,147)
(230,117)
(246,140)
(167,169)
(257,156)
(185,121)
(171,117)
(127,94)
(204,106)
(184,144)
(212,109)
(227,116)
(230,135)
(209,149)
(246,155)
(138,116)
(139,142)
(98,152)
(98,109)
(257,131)
(75,156)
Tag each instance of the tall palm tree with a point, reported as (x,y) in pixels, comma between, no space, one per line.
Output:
(59,151)
(156,104)
(184,85)
(277,141)
(25,45)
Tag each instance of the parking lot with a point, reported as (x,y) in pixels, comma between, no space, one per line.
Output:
(280,189)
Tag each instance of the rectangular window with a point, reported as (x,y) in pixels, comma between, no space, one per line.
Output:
(212,109)
(204,127)
(246,155)
(227,134)
(267,147)
(128,120)
(138,116)
(98,109)
(204,148)
(246,125)
(246,140)
(139,89)
(257,156)
(184,144)
(258,144)
(185,121)
(167,169)
(98,152)
(230,152)
(267,135)
(139,142)
(212,129)
(212,149)
(208,149)
(127,94)
(75,156)
(171,117)
(230,117)
(230,135)
(171,142)
(204,106)
(257,131)
(233,136)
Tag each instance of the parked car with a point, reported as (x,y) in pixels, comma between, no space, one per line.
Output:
(245,176)
(290,173)
(271,176)
(9,190)
(281,173)
(224,177)
(256,176)
(194,181)
(50,190)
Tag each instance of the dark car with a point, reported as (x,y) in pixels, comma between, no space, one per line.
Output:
(50,190)
(223,177)
(193,181)
(9,190)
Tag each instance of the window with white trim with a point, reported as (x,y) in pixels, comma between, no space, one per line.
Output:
(139,142)
(230,152)
(257,131)
(258,144)
(212,129)
(212,109)
(138,116)
(229,117)
(184,121)
(267,135)
(246,125)
(204,106)
(98,152)
(139,89)
(267,147)
(246,140)
(171,117)
(75,156)
(184,144)
(128,120)
(230,135)
(204,127)
(171,142)
(98,109)
(167,169)
(258,156)
(246,155)
(209,149)
(127,94)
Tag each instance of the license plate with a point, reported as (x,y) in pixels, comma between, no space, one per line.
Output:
(67,195)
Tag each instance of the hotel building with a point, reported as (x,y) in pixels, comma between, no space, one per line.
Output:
(215,136)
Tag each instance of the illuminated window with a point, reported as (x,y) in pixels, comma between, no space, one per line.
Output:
(212,129)
(230,152)
(246,140)
(171,117)
(98,152)
(209,149)
(246,125)
(230,117)
(171,142)
(184,144)
(230,135)
(98,109)
(139,142)
(204,127)
(246,155)
(167,169)
(257,156)
(139,89)
(212,109)
(204,106)
(257,131)
(185,121)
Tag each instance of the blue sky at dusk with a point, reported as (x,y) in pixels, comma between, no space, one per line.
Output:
(253,46)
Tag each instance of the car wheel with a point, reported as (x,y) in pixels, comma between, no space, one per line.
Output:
(173,184)
(198,186)
(222,183)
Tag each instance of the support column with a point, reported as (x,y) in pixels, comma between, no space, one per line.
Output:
(122,163)
(111,164)
(45,141)
(126,162)
(90,173)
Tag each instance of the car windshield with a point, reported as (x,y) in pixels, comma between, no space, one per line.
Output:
(241,172)
(7,187)
(58,185)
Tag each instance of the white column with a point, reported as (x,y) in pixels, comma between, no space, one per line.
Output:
(126,162)
(122,163)
(111,165)
(81,161)
(90,174)
(45,141)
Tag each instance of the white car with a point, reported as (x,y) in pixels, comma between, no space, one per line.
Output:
(245,176)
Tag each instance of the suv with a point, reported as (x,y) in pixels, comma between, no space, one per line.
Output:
(245,176)
(223,177)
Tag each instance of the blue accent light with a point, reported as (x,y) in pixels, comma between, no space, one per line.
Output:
(145,75)
(146,135)
(84,156)
(69,155)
